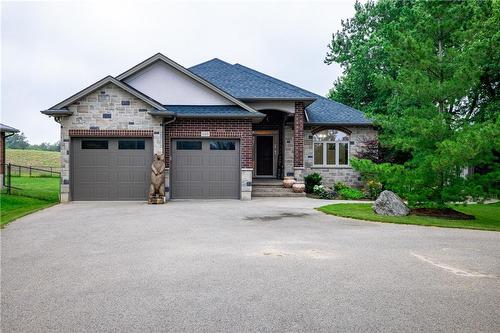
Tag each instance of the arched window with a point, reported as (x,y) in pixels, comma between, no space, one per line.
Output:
(331,148)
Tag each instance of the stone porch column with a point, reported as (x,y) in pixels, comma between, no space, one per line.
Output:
(298,142)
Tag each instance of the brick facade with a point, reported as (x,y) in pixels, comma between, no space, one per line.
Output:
(111,133)
(298,135)
(224,128)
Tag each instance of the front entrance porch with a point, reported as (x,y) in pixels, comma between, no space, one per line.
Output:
(278,144)
(269,145)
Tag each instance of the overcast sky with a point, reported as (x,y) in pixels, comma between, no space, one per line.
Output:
(51,50)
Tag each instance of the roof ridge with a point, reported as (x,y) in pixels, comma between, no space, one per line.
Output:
(273,79)
(206,62)
(289,85)
(206,105)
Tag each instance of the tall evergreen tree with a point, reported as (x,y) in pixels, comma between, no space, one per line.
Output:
(431,83)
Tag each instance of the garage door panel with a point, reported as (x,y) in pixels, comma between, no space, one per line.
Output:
(110,173)
(205,173)
(195,176)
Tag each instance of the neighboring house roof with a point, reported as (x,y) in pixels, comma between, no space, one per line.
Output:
(59,109)
(7,129)
(203,81)
(211,111)
(248,84)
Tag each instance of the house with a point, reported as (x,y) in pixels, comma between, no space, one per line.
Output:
(5,131)
(221,127)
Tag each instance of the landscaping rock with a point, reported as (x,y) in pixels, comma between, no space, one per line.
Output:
(388,203)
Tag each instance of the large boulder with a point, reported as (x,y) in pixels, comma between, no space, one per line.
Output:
(388,203)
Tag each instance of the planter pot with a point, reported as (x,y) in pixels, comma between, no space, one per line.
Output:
(288,182)
(299,187)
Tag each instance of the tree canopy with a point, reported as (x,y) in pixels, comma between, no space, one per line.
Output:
(428,72)
(20,141)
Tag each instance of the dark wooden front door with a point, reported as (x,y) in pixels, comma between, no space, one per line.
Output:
(265,155)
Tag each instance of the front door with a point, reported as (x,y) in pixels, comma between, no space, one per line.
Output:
(264,146)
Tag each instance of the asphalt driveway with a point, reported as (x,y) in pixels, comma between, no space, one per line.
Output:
(264,265)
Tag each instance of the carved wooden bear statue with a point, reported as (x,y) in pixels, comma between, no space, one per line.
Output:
(157,187)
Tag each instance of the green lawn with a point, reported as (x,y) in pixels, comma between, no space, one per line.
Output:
(36,158)
(487,216)
(14,207)
(44,188)
(33,194)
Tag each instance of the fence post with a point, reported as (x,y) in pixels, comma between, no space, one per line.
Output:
(9,169)
(30,170)
(19,167)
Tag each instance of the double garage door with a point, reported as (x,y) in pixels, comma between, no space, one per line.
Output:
(120,168)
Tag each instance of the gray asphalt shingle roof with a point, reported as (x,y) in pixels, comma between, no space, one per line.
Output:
(245,83)
(241,84)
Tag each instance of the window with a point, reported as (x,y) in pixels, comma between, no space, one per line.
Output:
(331,148)
(188,145)
(318,153)
(94,144)
(131,144)
(222,145)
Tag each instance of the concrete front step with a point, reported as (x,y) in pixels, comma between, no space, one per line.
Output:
(271,188)
(268,183)
(278,194)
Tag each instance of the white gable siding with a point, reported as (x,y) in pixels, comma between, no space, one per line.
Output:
(285,106)
(169,86)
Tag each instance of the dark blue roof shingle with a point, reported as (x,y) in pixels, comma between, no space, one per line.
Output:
(241,84)
(245,83)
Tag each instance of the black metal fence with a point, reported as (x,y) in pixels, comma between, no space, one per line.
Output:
(29,181)
(31,171)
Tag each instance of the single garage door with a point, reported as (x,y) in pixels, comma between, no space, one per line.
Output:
(205,169)
(111,168)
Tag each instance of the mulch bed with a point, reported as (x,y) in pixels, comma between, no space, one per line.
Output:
(444,213)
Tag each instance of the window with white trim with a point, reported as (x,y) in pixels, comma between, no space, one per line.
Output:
(331,148)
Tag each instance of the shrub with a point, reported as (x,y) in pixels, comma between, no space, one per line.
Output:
(373,189)
(311,180)
(351,194)
(324,193)
(340,186)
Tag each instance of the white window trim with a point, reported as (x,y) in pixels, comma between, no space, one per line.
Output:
(337,156)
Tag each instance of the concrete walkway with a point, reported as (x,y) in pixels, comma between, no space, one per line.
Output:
(264,265)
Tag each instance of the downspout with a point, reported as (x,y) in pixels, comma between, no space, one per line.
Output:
(6,136)
(170,121)
(163,124)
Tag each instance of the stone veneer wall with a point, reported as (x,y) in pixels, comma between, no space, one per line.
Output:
(345,174)
(218,128)
(288,151)
(108,108)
